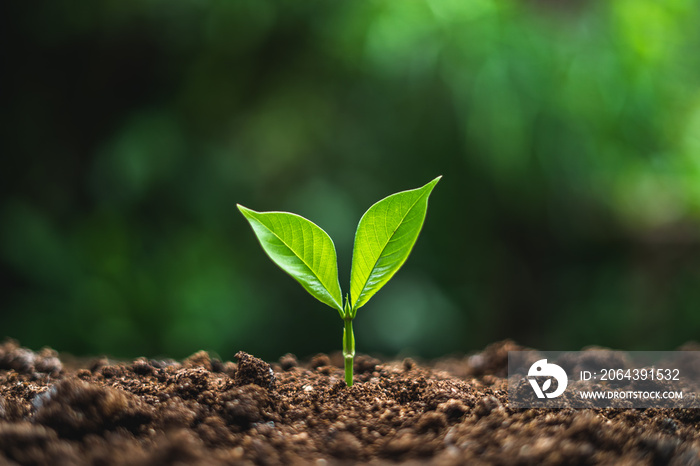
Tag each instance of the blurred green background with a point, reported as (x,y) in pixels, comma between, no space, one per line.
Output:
(568,134)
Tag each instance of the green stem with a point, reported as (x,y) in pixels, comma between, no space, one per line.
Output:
(348,350)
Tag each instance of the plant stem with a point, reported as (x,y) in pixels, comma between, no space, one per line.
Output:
(348,350)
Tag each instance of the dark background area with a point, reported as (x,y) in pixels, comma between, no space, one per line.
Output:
(568,137)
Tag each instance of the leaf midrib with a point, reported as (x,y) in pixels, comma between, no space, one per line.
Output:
(384,247)
(303,261)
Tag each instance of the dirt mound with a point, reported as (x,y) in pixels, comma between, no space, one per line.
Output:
(205,411)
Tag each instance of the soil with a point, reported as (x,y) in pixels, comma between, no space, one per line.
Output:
(204,411)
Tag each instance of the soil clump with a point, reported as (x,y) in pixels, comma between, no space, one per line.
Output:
(204,411)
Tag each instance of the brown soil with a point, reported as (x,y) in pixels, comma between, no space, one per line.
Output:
(208,412)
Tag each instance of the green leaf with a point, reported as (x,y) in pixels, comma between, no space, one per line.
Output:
(300,248)
(384,239)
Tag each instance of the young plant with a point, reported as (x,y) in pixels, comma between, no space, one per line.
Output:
(384,238)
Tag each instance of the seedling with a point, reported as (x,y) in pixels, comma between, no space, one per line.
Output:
(384,238)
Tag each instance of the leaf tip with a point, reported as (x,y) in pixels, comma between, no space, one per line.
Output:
(430,185)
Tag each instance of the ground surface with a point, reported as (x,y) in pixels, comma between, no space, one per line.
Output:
(208,412)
